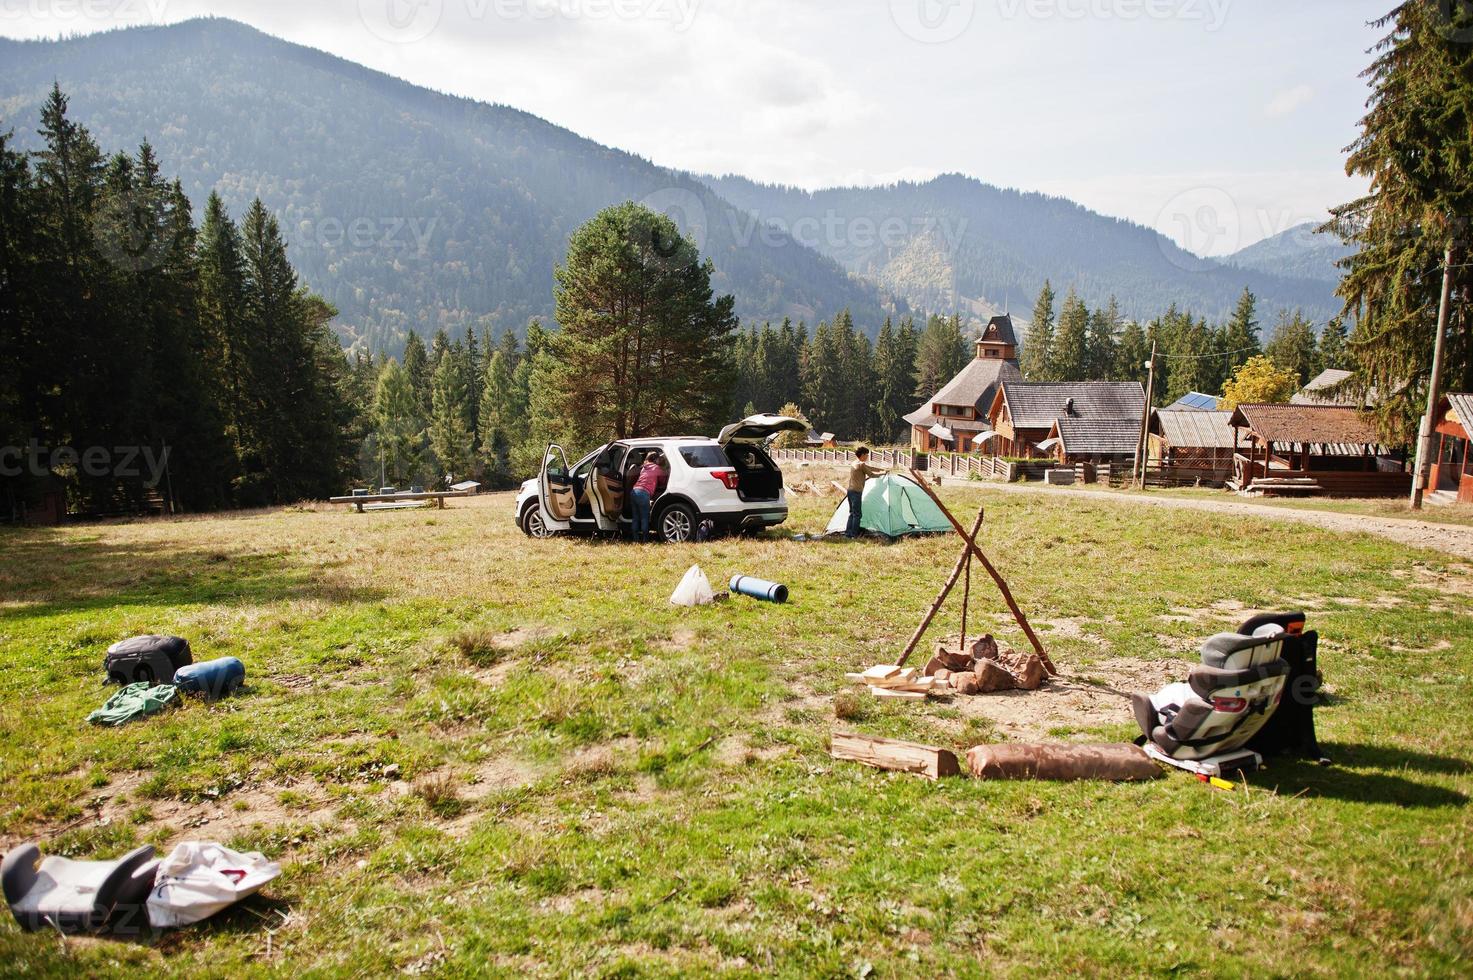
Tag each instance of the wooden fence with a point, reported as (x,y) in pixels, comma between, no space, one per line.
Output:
(958,466)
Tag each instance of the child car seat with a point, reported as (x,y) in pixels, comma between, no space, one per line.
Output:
(1290,729)
(1225,700)
(77,896)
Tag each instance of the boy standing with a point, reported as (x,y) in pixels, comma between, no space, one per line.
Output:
(859,473)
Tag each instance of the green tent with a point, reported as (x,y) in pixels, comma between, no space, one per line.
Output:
(893,506)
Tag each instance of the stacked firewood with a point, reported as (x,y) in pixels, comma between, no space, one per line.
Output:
(975,667)
(980,667)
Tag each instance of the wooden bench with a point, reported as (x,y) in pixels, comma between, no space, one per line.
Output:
(438,497)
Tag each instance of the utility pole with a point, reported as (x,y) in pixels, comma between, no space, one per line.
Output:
(1143,443)
(1434,393)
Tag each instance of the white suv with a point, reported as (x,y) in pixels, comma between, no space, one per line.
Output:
(729,481)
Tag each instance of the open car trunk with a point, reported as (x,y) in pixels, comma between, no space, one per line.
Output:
(758,476)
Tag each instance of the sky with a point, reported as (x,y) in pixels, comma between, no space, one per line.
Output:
(1217,122)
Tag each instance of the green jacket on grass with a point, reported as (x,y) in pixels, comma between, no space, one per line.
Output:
(134,701)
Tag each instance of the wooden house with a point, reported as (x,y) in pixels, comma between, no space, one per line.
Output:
(1024,417)
(1331,449)
(1452,470)
(1108,441)
(955,420)
(1193,445)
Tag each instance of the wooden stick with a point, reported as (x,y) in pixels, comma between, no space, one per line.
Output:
(1007,594)
(966,593)
(956,572)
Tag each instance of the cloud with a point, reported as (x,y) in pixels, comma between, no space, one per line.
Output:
(1289,101)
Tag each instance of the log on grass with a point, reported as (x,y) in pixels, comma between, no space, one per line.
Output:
(1119,762)
(888,753)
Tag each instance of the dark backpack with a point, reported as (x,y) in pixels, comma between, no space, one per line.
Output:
(1290,729)
(146,659)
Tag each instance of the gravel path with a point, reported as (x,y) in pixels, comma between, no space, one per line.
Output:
(1450,538)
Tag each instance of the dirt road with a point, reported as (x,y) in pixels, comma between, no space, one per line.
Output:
(1449,538)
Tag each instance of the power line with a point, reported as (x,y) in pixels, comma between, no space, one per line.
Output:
(1203,357)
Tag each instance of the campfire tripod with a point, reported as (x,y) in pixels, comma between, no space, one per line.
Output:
(963,570)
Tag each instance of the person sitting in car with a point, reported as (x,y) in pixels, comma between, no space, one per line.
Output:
(653,476)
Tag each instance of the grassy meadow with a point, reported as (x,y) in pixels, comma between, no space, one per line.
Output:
(479,754)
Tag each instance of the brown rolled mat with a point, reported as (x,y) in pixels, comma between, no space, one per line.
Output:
(1062,761)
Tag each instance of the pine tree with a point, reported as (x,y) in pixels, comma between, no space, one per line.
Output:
(221,306)
(941,353)
(1291,346)
(1240,337)
(502,414)
(452,438)
(1131,354)
(1070,360)
(644,345)
(1332,352)
(894,380)
(1038,347)
(1415,150)
(417,364)
(401,426)
(1100,353)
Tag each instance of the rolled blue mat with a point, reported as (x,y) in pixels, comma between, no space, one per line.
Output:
(759,589)
(213,678)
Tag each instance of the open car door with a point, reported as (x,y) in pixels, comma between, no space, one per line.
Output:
(606,486)
(759,429)
(556,493)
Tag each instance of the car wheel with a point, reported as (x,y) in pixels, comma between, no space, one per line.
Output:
(532,524)
(677,524)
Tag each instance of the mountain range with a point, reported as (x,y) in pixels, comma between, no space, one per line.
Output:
(413,209)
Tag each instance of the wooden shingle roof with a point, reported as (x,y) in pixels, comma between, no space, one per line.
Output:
(976,383)
(1036,405)
(1098,436)
(1307,424)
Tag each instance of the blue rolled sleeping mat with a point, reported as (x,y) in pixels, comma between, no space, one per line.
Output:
(213,678)
(759,588)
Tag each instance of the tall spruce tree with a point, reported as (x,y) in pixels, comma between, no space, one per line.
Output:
(1070,359)
(452,435)
(401,426)
(894,380)
(1104,325)
(1240,337)
(1038,346)
(421,372)
(1415,149)
(1332,352)
(941,352)
(1291,345)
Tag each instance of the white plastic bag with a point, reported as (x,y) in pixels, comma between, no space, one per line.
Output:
(693,590)
(198,879)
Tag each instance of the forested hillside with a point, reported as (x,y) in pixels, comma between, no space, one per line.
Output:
(957,243)
(1302,251)
(403,207)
